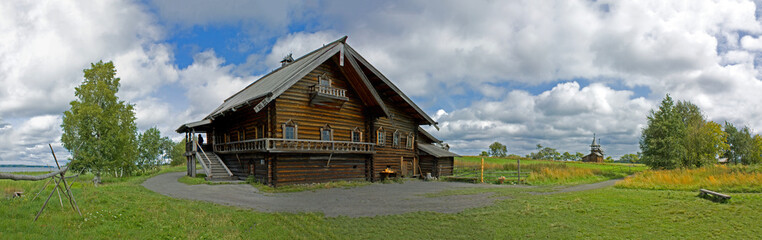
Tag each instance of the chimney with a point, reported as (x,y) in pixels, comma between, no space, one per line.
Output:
(286,60)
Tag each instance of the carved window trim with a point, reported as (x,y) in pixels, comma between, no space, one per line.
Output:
(380,136)
(356,132)
(324,80)
(396,138)
(327,128)
(410,141)
(295,127)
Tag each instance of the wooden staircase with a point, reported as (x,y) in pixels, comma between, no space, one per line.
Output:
(217,171)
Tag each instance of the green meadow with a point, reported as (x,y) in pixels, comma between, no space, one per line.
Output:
(123,209)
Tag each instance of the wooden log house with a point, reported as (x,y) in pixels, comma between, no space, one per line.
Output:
(329,115)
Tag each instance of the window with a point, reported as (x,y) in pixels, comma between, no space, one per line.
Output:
(323,80)
(290,130)
(396,138)
(326,133)
(380,137)
(410,141)
(356,135)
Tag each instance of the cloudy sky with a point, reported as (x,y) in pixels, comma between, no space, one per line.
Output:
(518,72)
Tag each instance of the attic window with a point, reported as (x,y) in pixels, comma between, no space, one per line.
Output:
(290,130)
(323,80)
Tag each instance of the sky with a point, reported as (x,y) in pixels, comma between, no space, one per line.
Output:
(518,72)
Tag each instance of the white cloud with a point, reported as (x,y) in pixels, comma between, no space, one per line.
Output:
(564,117)
(28,142)
(45,47)
(751,43)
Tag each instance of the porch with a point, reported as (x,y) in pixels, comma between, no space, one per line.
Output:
(279,145)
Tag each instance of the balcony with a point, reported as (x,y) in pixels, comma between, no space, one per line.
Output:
(279,145)
(327,96)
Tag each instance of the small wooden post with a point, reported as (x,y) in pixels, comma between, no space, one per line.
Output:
(482,172)
(403,169)
(518,168)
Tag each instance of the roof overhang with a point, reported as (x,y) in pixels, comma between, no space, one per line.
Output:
(428,135)
(425,117)
(435,150)
(201,125)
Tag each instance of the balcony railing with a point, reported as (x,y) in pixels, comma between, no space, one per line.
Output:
(294,145)
(328,90)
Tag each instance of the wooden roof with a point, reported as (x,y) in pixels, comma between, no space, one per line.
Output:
(364,78)
(435,150)
(428,136)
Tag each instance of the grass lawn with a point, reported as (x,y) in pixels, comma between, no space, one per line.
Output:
(124,209)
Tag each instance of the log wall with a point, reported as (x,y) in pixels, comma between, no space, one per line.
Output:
(436,166)
(313,168)
(294,105)
(243,124)
(389,155)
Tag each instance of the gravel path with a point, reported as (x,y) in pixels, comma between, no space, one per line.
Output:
(364,201)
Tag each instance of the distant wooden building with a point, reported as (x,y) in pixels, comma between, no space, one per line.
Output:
(434,155)
(328,115)
(596,153)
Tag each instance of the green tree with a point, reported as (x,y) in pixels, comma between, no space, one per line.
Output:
(545,153)
(661,139)
(703,141)
(178,153)
(741,145)
(756,153)
(99,130)
(152,148)
(630,158)
(578,156)
(497,149)
(484,154)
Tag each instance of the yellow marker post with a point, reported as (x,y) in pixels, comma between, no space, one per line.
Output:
(482,177)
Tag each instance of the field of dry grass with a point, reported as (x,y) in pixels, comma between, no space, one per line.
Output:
(719,178)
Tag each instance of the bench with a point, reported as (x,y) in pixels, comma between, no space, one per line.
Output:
(714,195)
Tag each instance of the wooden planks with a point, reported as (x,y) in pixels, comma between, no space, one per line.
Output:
(312,168)
(294,104)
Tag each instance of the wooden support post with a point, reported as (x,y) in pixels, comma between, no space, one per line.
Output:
(46,202)
(518,167)
(403,169)
(60,199)
(482,172)
(43,188)
(72,201)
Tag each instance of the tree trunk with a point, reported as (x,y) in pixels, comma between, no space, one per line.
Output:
(97,178)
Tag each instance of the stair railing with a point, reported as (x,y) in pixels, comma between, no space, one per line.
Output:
(207,170)
(230,174)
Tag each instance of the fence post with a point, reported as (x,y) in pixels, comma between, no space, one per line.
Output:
(518,168)
(482,174)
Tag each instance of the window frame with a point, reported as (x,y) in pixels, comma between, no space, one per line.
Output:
(381,136)
(410,141)
(295,126)
(355,132)
(396,138)
(330,132)
(324,78)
